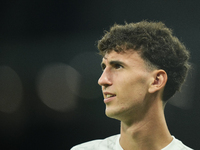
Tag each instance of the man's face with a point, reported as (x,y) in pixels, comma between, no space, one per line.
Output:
(125,82)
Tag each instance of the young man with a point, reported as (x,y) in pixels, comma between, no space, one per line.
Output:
(143,66)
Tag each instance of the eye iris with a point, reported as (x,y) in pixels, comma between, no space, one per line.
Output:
(118,66)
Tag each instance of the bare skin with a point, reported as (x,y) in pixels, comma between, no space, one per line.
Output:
(132,94)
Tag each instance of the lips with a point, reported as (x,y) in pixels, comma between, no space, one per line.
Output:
(108,97)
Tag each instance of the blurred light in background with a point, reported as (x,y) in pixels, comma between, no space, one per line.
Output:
(11,90)
(56,85)
(88,64)
(185,98)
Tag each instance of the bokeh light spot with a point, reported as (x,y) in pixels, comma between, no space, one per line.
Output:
(11,90)
(185,98)
(56,84)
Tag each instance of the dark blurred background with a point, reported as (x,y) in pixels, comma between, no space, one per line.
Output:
(49,67)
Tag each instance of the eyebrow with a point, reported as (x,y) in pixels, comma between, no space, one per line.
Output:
(116,62)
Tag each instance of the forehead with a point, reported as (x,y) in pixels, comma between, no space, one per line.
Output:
(122,56)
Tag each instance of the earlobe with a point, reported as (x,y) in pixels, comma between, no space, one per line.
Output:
(159,81)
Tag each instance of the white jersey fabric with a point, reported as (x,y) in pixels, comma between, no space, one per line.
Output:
(112,143)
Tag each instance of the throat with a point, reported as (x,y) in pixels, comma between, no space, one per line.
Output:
(145,136)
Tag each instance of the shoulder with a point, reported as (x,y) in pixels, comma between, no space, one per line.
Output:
(105,144)
(176,145)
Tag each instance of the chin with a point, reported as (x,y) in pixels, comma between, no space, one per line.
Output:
(112,114)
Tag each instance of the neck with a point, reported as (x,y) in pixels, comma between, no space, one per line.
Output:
(149,133)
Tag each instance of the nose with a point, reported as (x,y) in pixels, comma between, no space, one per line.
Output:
(105,79)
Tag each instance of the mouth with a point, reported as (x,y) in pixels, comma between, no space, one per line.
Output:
(108,97)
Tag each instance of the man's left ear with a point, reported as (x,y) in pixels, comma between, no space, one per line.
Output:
(159,81)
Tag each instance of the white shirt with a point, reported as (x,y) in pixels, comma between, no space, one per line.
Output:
(112,143)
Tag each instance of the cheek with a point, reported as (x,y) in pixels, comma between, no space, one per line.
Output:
(135,88)
(131,85)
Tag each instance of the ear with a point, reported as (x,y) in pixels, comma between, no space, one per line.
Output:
(159,81)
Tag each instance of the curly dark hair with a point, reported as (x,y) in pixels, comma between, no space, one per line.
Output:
(157,46)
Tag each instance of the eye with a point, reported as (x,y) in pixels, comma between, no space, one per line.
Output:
(103,66)
(117,66)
